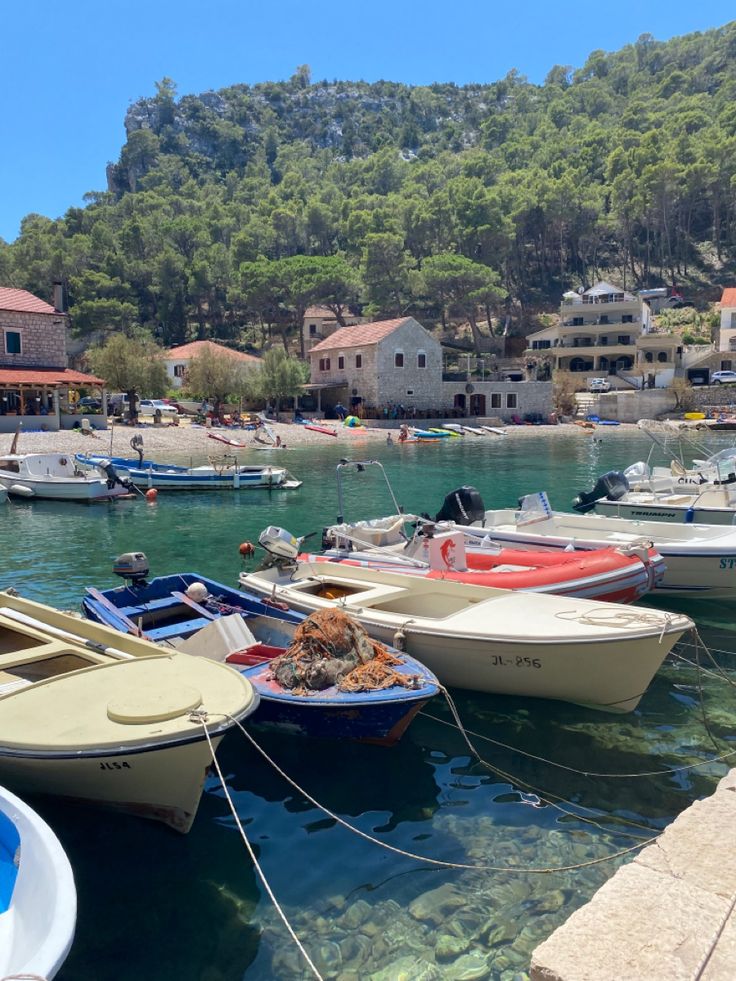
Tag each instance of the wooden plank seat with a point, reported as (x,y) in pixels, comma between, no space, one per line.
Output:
(181,629)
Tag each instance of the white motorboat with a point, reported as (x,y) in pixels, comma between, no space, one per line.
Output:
(712,504)
(91,715)
(38,898)
(601,655)
(700,559)
(56,476)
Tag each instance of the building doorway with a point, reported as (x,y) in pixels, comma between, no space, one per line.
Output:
(477,405)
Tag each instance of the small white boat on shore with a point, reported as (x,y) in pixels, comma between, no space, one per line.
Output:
(56,476)
(90,715)
(38,898)
(602,655)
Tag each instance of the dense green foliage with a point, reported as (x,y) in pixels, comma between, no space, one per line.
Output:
(243,206)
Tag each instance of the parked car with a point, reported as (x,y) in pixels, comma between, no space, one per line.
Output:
(89,404)
(723,378)
(148,407)
(599,385)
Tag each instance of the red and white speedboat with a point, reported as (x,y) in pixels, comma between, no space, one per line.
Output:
(617,575)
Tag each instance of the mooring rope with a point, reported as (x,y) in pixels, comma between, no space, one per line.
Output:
(423,858)
(201,717)
(517,780)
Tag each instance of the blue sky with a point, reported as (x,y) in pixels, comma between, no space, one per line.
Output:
(71,69)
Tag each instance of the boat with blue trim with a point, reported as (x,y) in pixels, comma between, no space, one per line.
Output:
(221,473)
(198,614)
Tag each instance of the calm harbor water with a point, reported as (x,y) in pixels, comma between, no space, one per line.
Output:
(153,904)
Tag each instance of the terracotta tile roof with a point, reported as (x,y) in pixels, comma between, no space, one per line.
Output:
(21,301)
(46,376)
(319,312)
(729,297)
(188,351)
(361,335)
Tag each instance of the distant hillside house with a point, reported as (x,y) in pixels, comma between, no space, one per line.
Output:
(178,359)
(727,336)
(607,332)
(320,322)
(36,386)
(397,363)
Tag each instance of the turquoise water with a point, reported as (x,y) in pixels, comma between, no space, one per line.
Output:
(153,904)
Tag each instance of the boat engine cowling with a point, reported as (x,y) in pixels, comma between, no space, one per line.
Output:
(131,565)
(612,485)
(279,542)
(464,506)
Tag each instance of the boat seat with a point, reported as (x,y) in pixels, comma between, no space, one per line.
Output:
(144,608)
(177,629)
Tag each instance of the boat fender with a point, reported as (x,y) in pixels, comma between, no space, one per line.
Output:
(21,490)
(399,640)
(638,549)
(246,549)
(690,515)
(63,461)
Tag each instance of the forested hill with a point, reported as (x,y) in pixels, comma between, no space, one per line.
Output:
(245,205)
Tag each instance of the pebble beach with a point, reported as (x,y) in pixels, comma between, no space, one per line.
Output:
(185,440)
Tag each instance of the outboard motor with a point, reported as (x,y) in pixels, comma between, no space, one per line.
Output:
(612,485)
(132,566)
(464,506)
(112,476)
(280,544)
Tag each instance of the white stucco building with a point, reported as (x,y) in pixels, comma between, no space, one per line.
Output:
(178,359)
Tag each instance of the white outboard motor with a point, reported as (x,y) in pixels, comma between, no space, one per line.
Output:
(279,543)
(131,566)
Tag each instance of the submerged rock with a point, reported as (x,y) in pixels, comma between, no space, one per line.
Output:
(470,967)
(408,969)
(449,947)
(436,904)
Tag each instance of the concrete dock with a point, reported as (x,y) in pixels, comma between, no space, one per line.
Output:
(669,914)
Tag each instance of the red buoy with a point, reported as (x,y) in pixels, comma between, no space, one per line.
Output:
(247,549)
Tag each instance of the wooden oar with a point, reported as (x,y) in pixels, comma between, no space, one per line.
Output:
(183,598)
(133,628)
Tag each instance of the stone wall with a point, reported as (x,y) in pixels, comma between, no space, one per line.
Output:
(667,914)
(632,406)
(43,339)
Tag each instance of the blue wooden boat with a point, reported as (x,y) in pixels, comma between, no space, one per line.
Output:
(162,611)
(223,474)
(38,899)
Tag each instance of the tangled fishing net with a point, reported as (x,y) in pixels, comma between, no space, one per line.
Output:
(330,648)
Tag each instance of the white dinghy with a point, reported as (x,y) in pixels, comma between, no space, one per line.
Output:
(601,655)
(38,899)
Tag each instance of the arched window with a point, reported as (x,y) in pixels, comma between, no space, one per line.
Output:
(662,356)
(649,357)
(624,364)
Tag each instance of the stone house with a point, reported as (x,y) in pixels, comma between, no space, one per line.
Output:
(36,386)
(371,367)
(319,323)
(178,359)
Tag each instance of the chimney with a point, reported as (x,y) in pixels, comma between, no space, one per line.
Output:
(59,300)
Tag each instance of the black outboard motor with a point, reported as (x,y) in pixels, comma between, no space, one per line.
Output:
(612,485)
(464,506)
(113,477)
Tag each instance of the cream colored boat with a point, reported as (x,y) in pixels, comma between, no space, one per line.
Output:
(602,655)
(89,714)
